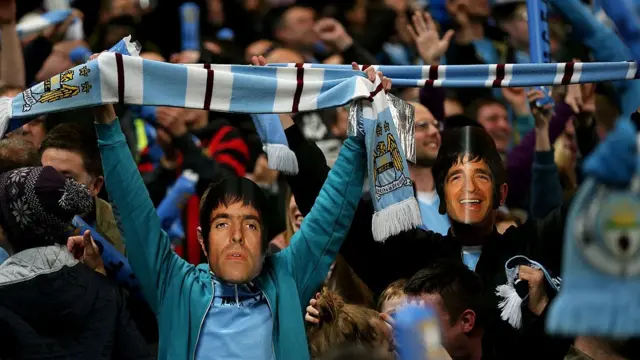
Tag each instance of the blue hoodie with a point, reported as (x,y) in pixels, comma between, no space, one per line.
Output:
(180,293)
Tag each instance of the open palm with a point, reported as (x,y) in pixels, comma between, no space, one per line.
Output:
(425,35)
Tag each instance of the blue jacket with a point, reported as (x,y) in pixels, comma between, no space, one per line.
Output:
(180,293)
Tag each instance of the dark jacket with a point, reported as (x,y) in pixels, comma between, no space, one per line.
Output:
(53,307)
(378,264)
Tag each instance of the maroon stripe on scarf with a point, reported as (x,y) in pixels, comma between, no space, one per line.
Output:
(299,85)
(375,92)
(120,70)
(499,75)
(365,67)
(207,66)
(433,75)
(568,73)
(209,92)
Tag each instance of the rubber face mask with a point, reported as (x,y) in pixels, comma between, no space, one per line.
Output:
(469,191)
(463,167)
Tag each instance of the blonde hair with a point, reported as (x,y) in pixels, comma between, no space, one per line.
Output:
(342,323)
(394,290)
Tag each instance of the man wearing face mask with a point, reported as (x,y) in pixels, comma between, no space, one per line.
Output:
(242,304)
(470,180)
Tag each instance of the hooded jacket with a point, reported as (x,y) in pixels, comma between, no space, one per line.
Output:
(181,294)
(53,307)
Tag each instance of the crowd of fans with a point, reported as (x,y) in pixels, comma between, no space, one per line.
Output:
(266,265)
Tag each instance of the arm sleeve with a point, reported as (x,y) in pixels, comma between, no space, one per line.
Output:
(148,247)
(35,54)
(315,246)
(546,191)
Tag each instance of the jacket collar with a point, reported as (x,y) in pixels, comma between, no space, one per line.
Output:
(30,263)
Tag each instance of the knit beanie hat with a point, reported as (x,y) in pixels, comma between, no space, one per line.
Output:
(600,266)
(37,205)
(600,293)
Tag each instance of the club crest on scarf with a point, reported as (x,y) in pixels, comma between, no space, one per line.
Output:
(611,242)
(57,88)
(388,163)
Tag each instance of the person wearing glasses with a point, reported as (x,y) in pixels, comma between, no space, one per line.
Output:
(427,133)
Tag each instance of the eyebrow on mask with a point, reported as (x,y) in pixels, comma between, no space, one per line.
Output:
(228,216)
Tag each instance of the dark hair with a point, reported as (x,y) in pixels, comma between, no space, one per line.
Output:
(230,190)
(77,138)
(475,143)
(15,153)
(473,109)
(459,287)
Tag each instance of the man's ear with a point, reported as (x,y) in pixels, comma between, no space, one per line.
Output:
(97,186)
(467,320)
(504,189)
(201,241)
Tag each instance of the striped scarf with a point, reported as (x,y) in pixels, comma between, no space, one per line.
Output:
(497,75)
(291,88)
(117,78)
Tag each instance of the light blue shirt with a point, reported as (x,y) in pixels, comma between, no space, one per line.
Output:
(471,255)
(238,325)
(431,218)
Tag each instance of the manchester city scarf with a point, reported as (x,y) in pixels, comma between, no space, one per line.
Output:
(117,78)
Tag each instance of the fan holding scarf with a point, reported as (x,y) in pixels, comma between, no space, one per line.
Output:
(240,289)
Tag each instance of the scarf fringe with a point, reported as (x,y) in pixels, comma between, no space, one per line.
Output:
(281,158)
(510,306)
(394,219)
(597,311)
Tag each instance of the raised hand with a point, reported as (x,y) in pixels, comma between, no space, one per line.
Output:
(85,250)
(429,44)
(313,315)
(542,115)
(333,34)
(371,75)
(517,98)
(538,298)
(258,60)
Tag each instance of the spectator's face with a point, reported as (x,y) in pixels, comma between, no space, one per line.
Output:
(295,216)
(495,120)
(71,165)
(33,132)
(468,189)
(453,339)
(427,136)
(235,243)
(517,27)
(297,31)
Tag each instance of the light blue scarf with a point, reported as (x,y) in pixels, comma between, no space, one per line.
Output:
(113,77)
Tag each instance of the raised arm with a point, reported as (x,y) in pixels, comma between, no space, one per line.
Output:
(314,247)
(148,247)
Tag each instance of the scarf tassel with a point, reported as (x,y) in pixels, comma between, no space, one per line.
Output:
(396,218)
(281,158)
(510,305)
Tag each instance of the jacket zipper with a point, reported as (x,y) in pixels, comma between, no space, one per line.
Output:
(273,350)
(213,293)
(237,300)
